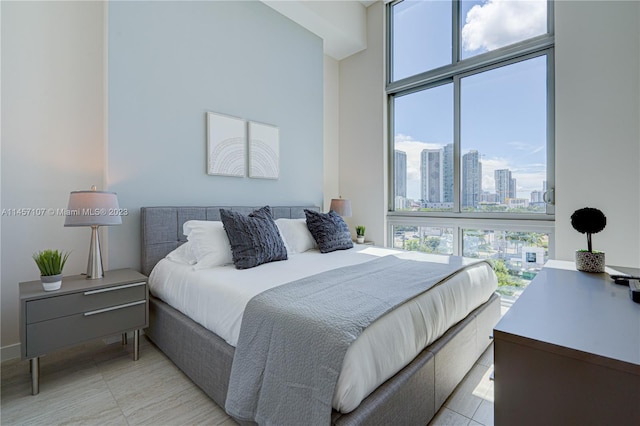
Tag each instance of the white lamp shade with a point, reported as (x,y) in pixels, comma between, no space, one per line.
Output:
(87,208)
(341,206)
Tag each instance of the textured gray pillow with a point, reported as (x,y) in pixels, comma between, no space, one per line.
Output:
(254,239)
(329,231)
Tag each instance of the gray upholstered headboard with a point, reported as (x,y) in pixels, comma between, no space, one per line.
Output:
(162,226)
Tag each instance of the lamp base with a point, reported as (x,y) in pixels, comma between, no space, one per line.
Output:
(94,265)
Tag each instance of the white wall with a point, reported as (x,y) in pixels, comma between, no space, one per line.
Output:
(363,151)
(331,128)
(52,135)
(238,58)
(169,63)
(597,125)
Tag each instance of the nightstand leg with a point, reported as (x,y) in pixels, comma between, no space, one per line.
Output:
(136,345)
(35,375)
(124,339)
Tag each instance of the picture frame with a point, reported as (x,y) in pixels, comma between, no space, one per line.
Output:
(264,150)
(226,145)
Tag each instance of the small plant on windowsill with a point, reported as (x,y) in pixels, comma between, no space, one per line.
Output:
(360,233)
(50,263)
(589,221)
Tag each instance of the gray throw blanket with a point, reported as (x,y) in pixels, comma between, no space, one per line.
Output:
(294,337)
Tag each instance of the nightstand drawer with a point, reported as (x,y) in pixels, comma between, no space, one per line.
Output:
(47,336)
(76,303)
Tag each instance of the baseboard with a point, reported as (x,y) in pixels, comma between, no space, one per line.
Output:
(10,352)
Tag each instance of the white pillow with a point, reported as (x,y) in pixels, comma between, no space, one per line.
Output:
(211,245)
(183,254)
(296,235)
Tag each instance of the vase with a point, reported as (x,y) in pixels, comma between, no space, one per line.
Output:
(51,282)
(360,239)
(590,261)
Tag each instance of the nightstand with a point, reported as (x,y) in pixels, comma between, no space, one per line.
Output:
(80,311)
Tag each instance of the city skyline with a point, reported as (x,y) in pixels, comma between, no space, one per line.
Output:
(436,168)
(529,178)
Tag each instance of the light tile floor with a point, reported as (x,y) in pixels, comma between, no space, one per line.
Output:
(99,384)
(471,403)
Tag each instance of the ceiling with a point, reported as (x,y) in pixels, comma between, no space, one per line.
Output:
(342,25)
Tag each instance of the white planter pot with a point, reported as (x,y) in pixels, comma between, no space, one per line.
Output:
(360,239)
(590,261)
(51,282)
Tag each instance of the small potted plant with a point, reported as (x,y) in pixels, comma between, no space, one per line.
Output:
(360,234)
(589,221)
(50,262)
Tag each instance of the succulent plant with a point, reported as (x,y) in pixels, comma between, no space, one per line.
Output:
(360,230)
(50,262)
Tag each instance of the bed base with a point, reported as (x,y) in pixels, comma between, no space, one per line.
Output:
(411,397)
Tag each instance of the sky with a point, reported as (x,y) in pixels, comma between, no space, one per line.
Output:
(503,111)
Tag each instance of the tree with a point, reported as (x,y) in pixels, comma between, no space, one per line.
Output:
(505,279)
(412,245)
(432,244)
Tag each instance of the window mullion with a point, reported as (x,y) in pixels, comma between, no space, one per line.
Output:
(457,176)
(389,50)
(391,163)
(457,240)
(550,17)
(455,34)
(551,157)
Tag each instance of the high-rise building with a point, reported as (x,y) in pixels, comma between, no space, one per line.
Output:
(505,185)
(447,173)
(431,175)
(537,196)
(471,179)
(400,170)
(488,197)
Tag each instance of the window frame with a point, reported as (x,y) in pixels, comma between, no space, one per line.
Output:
(542,45)
(473,223)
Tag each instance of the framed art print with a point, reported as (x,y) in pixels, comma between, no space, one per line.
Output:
(264,151)
(226,145)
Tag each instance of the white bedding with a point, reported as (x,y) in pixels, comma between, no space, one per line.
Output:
(216,298)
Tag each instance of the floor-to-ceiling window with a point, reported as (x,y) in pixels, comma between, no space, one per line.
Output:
(470,86)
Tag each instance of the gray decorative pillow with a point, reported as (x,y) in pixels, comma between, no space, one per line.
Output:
(329,230)
(254,239)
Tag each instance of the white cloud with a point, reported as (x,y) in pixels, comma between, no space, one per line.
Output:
(528,178)
(527,147)
(527,182)
(498,23)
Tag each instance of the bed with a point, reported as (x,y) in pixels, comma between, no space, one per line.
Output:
(411,396)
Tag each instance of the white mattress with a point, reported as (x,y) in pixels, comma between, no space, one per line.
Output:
(216,298)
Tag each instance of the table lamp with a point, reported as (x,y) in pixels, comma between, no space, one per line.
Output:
(93,208)
(341,206)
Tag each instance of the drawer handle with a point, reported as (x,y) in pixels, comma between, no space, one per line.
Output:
(120,287)
(113,308)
